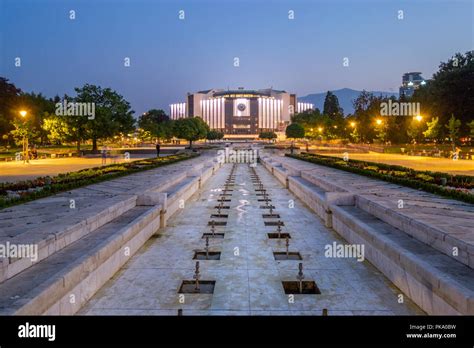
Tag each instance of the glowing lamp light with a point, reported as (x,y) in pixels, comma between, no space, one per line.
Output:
(353,124)
(320,129)
(378,121)
(419,118)
(23,113)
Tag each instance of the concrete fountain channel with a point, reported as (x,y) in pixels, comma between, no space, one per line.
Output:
(245,245)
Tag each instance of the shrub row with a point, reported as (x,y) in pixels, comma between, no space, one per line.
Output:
(46,186)
(452,186)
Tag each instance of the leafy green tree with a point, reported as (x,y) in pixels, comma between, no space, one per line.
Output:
(151,120)
(214,135)
(9,105)
(381,131)
(453,130)
(471,129)
(157,124)
(449,92)
(366,108)
(433,130)
(23,129)
(113,114)
(267,135)
(39,107)
(415,130)
(191,129)
(331,106)
(166,130)
(295,131)
(355,135)
(334,126)
(57,129)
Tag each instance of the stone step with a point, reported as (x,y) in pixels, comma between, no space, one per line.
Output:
(66,280)
(57,235)
(457,243)
(416,256)
(435,281)
(449,244)
(114,198)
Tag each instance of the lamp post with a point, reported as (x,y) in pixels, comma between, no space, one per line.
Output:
(26,157)
(417,118)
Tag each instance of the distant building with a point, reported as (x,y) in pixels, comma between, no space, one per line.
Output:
(411,81)
(241,112)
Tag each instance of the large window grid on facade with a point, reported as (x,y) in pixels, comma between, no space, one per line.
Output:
(213,112)
(300,107)
(269,113)
(177,111)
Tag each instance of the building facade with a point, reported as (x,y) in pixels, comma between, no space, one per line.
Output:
(410,82)
(241,111)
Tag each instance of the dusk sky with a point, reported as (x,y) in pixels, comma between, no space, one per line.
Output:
(170,57)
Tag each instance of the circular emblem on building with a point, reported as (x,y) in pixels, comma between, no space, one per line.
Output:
(241,107)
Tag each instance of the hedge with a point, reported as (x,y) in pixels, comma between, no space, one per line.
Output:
(64,182)
(422,180)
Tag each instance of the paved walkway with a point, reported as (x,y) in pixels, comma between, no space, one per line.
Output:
(18,171)
(248,279)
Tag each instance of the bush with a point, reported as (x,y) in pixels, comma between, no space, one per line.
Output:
(38,188)
(457,185)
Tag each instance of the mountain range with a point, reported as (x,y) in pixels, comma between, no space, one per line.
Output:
(345,96)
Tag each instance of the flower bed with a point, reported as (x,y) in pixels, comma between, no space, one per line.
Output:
(460,187)
(24,191)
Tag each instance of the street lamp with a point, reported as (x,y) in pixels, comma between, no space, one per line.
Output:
(26,157)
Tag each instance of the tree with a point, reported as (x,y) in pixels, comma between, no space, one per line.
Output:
(294,131)
(450,92)
(381,130)
(113,114)
(22,129)
(334,125)
(157,124)
(471,129)
(151,120)
(165,130)
(191,129)
(214,135)
(39,107)
(433,129)
(331,106)
(267,135)
(8,105)
(415,130)
(453,130)
(366,108)
(57,129)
